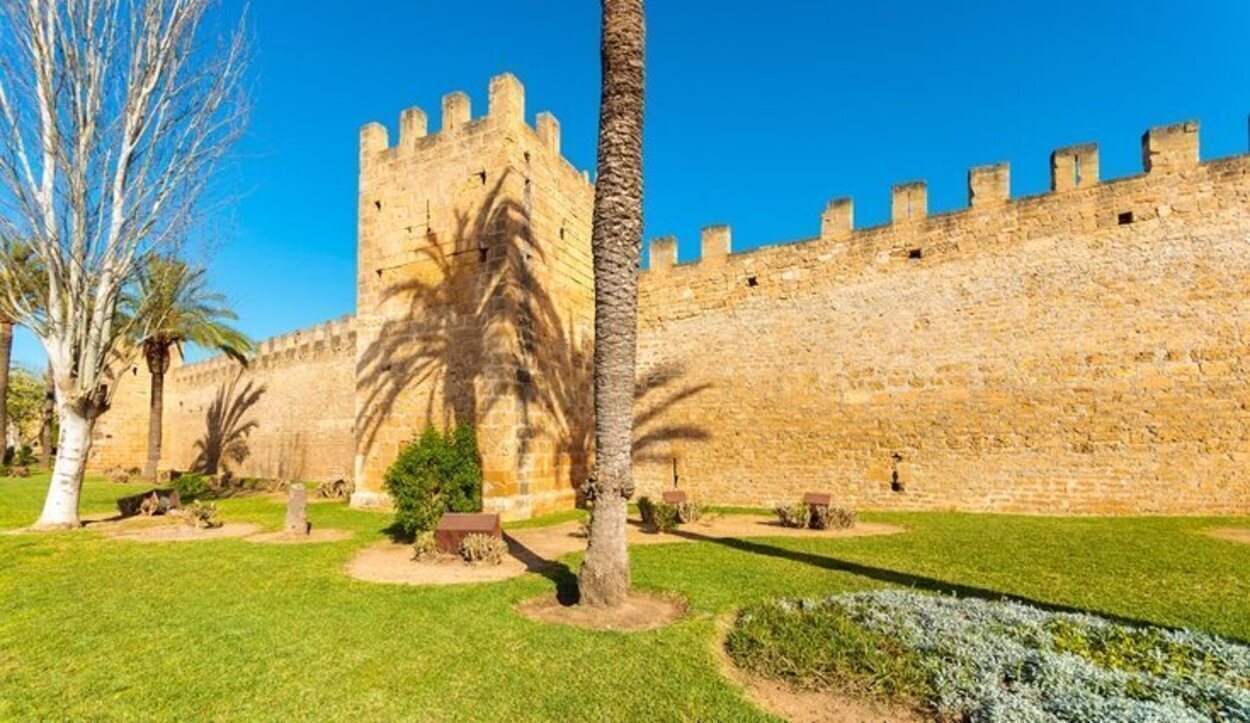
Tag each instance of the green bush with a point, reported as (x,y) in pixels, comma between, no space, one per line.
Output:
(658,516)
(434,474)
(24,457)
(191,487)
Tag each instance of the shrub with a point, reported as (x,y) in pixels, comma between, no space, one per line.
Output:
(425,547)
(969,659)
(840,518)
(479,548)
(658,516)
(436,473)
(202,515)
(191,487)
(793,515)
(24,456)
(689,511)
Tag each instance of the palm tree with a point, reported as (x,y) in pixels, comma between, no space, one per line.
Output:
(174,306)
(616,241)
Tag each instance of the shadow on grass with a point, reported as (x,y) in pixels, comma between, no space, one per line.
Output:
(899,578)
(560,574)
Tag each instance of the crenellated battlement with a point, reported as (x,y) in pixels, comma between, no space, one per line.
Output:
(1170,153)
(302,344)
(505,109)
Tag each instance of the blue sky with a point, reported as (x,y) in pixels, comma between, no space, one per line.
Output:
(758,112)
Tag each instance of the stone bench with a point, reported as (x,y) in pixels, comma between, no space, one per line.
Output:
(455,526)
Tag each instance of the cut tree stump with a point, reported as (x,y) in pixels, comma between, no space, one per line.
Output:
(297,523)
(455,526)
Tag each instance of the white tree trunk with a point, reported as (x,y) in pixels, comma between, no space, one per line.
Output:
(60,508)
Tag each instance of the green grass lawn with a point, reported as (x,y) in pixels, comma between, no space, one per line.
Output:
(92,628)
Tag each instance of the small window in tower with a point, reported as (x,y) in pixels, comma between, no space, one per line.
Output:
(753,281)
(1125,218)
(481,255)
(1076,171)
(915,254)
(377,205)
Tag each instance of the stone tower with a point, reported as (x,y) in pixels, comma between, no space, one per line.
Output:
(474,298)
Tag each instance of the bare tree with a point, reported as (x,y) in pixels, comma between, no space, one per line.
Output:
(616,241)
(114,115)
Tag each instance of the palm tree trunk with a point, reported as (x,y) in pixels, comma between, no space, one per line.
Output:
(616,241)
(155,413)
(157,354)
(6,353)
(45,429)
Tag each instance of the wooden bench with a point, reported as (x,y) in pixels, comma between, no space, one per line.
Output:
(818,499)
(455,526)
(675,497)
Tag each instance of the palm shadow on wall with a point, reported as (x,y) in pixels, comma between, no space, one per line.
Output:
(449,333)
(226,427)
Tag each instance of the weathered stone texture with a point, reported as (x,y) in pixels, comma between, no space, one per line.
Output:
(474,300)
(1076,351)
(288,415)
(1049,354)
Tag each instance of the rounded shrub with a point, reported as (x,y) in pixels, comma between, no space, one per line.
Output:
(191,487)
(434,474)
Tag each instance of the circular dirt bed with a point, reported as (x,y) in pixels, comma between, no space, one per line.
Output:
(804,706)
(184,533)
(557,540)
(317,535)
(641,611)
(393,563)
(1233,534)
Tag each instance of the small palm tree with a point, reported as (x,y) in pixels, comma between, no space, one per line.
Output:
(174,306)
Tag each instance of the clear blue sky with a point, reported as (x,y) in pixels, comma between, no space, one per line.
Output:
(758,111)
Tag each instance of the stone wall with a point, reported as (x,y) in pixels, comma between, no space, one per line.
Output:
(1077,351)
(288,415)
(474,298)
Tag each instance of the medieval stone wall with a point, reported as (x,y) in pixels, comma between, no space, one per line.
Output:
(474,298)
(1077,351)
(288,415)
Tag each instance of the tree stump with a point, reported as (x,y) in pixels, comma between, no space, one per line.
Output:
(296,523)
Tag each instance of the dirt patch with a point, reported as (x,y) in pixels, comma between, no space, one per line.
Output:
(641,611)
(317,535)
(558,540)
(804,706)
(537,549)
(394,564)
(179,532)
(1233,534)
